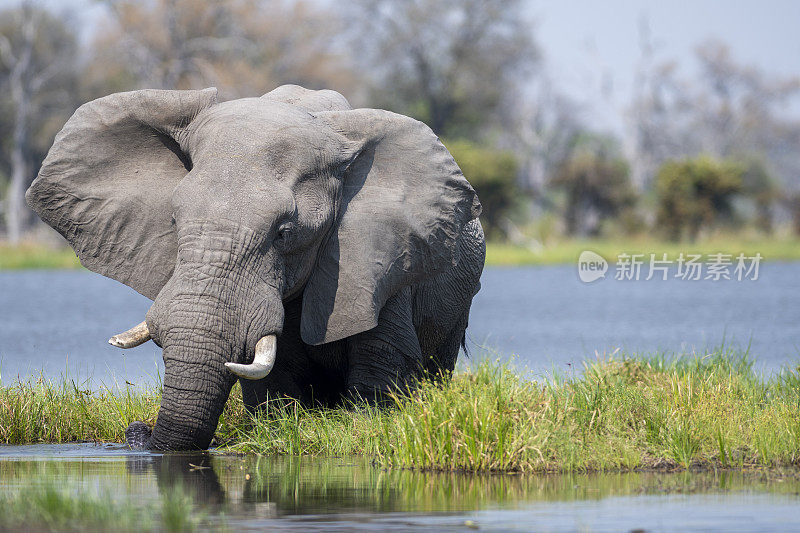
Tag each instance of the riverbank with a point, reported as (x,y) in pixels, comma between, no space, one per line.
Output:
(567,251)
(621,414)
(31,255)
(35,256)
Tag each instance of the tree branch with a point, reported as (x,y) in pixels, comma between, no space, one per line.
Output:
(44,76)
(6,55)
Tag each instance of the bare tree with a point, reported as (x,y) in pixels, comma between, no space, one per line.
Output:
(743,111)
(543,134)
(731,110)
(658,115)
(245,47)
(455,64)
(34,50)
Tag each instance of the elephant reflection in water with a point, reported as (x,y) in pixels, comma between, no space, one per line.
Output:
(268,487)
(193,474)
(271,487)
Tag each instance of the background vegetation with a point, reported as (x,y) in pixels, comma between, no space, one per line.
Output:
(713,153)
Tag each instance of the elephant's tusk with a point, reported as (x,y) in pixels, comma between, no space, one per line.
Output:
(138,334)
(262,362)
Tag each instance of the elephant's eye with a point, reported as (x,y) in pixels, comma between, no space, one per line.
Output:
(283,234)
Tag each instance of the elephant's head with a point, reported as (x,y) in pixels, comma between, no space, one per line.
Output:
(220,212)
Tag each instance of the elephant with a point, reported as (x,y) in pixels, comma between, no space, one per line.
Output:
(311,250)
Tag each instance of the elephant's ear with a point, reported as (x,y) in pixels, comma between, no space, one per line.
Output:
(106,184)
(404,203)
(324,100)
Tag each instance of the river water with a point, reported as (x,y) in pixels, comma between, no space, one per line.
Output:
(307,494)
(544,318)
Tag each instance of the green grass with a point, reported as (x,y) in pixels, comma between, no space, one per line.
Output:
(567,252)
(42,411)
(620,414)
(48,508)
(32,255)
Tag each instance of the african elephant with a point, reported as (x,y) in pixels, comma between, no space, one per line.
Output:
(313,250)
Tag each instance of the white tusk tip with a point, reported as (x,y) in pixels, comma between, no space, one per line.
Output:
(135,336)
(251,371)
(262,362)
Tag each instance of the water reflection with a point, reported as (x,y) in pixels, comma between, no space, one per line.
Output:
(194,474)
(246,488)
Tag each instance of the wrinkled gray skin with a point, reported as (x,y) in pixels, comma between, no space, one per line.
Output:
(350,234)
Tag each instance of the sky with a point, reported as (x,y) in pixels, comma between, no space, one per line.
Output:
(591,47)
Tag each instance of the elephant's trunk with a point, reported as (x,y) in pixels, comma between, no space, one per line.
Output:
(214,310)
(196,387)
(198,337)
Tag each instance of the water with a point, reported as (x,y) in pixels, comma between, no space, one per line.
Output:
(551,319)
(57,321)
(249,493)
(52,322)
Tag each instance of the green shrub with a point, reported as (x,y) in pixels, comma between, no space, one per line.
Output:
(695,194)
(493,174)
(596,184)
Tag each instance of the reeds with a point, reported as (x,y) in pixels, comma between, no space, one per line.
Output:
(621,413)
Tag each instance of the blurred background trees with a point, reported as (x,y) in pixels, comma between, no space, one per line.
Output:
(694,194)
(171,44)
(493,175)
(243,47)
(594,178)
(458,66)
(37,73)
(716,150)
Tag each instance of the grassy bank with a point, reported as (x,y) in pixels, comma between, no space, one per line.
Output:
(567,252)
(30,255)
(620,414)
